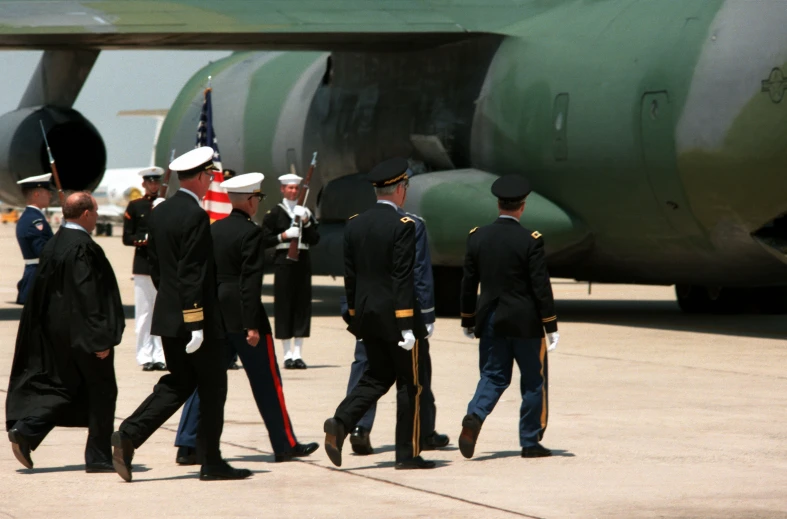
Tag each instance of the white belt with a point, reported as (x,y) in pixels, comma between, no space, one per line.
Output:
(301,246)
(31,261)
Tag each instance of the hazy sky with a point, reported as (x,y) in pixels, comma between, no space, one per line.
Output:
(120,80)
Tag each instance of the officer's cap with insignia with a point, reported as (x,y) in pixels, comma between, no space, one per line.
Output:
(193,162)
(36,181)
(290,178)
(511,188)
(390,172)
(151,173)
(248,183)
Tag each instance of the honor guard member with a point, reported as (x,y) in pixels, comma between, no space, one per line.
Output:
(187,317)
(383,311)
(424,291)
(32,229)
(237,247)
(150,354)
(292,282)
(510,317)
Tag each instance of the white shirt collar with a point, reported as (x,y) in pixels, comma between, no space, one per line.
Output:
(72,225)
(388,202)
(509,217)
(290,203)
(37,209)
(193,195)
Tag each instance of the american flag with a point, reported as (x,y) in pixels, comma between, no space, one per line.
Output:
(216,201)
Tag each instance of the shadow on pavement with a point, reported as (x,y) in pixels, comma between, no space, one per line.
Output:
(556,453)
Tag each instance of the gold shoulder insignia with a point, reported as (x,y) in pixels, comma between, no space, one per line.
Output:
(536,235)
(353,216)
(406,219)
(474,229)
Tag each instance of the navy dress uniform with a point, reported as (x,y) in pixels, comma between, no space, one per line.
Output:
(186,316)
(292,282)
(238,251)
(32,233)
(510,317)
(150,353)
(383,311)
(424,291)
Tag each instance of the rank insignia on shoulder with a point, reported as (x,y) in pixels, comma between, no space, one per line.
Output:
(536,235)
(353,216)
(474,229)
(406,219)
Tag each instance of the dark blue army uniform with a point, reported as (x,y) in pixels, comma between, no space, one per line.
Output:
(510,316)
(32,233)
(424,292)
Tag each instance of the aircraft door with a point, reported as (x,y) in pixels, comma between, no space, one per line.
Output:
(658,152)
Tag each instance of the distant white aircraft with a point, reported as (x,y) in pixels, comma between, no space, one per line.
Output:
(119,186)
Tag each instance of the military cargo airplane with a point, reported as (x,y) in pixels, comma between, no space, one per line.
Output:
(654,132)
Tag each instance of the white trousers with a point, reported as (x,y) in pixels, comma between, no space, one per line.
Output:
(149,347)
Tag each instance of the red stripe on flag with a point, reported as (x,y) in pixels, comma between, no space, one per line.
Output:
(279,390)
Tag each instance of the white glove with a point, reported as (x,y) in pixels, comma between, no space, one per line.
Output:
(301,212)
(552,339)
(195,342)
(469,333)
(429,330)
(409,340)
(157,201)
(292,232)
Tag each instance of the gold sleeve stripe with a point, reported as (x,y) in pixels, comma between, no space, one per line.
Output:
(352,312)
(467,315)
(549,319)
(400,314)
(192,316)
(190,311)
(353,216)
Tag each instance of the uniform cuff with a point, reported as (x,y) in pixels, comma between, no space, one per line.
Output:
(551,326)
(194,315)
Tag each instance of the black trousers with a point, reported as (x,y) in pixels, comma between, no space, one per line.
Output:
(203,370)
(389,364)
(262,370)
(98,382)
(428,409)
(292,297)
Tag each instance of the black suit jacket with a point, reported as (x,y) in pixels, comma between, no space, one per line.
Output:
(135,228)
(379,255)
(508,260)
(183,270)
(238,250)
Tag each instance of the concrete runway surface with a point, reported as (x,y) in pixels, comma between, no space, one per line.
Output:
(653,413)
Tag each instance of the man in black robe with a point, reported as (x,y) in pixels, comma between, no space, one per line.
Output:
(63,372)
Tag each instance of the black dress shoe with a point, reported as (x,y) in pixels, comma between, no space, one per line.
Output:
(536,451)
(148,366)
(122,454)
(334,439)
(21,448)
(471,427)
(414,463)
(360,441)
(159,366)
(435,441)
(186,456)
(289,364)
(298,364)
(222,471)
(300,450)
(100,467)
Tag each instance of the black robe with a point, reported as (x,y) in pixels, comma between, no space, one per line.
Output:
(73,308)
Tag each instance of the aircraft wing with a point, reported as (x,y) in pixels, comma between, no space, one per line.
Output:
(111,211)
(252,24)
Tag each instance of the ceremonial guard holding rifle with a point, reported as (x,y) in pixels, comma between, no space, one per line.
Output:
(32,229)
(292,229)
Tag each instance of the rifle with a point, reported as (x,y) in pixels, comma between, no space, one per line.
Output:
(303,192)
(52,166)
(165,184)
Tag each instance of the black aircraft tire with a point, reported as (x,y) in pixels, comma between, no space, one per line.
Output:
(770,300)
(693,299)
(447,289)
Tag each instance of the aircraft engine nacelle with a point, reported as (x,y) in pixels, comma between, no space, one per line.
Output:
(77,147)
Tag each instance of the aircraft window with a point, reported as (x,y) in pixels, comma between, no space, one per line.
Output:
(559,122)
(560,118)
(654,109)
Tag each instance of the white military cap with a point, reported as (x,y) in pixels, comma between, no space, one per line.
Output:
(193,162)
(246,183)
(289,178)
(36,181)
(152,171)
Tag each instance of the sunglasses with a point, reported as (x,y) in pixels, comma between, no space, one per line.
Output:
(258,196)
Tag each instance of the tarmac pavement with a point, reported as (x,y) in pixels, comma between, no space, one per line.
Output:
(653,413)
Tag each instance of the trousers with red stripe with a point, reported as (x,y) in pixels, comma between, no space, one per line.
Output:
(262,370)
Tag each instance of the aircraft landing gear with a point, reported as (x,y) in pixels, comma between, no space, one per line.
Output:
(695,299)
